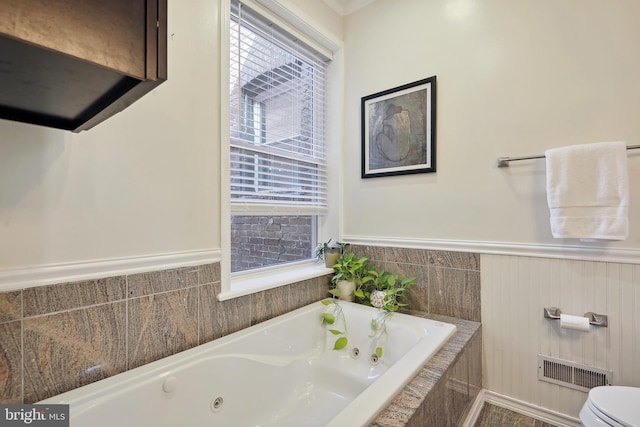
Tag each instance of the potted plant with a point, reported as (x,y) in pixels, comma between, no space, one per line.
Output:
(351,273)
(354,278)
(330,253)
(385,290)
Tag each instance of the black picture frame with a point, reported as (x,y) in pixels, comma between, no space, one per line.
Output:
(399,130)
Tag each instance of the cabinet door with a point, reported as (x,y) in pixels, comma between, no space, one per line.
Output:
(109,33)
(71,64)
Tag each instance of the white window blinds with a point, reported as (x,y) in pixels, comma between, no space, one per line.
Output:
(276,118)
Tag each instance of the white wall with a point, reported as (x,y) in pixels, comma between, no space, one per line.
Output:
(317,14)
(514,78)
(143,182)
(146,182)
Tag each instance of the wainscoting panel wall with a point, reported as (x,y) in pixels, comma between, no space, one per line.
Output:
(516,289)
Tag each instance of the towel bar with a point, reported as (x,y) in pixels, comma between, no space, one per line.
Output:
(503,162)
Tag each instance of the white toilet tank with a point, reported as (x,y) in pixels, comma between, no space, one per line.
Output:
(615,406)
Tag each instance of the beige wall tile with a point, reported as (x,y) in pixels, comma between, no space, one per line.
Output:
(454,293)
(462,260)
(10,362)
(161,325)
(209,273)
(317,288)
(275,302)
(10,306)
(433,412)
(407,256)
(220,318)
(374,253)
(66,296)
(473,300)
(475,365)
(234,315)
(67,350)
(457,388)
(161,281)
(207,302)
(447,282)
(269,304)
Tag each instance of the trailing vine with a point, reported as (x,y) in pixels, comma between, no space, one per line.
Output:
(379,328)
(329,319)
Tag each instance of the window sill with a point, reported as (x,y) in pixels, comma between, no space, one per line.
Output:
(251,283)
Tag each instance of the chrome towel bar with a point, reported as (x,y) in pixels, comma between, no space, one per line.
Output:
(503,162)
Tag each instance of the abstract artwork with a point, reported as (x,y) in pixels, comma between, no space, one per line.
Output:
(399,130)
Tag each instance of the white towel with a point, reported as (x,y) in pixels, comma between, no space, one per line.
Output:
(588,191)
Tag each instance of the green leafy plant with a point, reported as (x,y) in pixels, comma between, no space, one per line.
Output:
(329,252)
(343,247)
(381,289)
(392,290)
(330,319)
(351,269)
(321,248)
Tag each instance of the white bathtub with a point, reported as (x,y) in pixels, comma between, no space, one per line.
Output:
(282,372)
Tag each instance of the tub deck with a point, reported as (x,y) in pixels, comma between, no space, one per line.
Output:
(405,409)
(446,387)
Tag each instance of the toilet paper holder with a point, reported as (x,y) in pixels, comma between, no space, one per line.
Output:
(594,318)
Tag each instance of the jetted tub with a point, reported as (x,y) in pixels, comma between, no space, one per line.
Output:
(282,372)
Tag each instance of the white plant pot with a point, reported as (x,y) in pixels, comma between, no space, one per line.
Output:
(346,290)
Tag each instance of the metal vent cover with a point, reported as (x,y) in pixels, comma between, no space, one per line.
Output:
(571,374)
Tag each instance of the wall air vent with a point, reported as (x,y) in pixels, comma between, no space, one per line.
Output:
(571,374)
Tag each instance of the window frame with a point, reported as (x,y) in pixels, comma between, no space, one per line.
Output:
(256,280)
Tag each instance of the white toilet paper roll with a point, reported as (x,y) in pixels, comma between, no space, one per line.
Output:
(577,323)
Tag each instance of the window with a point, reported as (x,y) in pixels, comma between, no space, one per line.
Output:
(277,160)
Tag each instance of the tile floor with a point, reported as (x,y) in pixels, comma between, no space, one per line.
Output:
(494,416)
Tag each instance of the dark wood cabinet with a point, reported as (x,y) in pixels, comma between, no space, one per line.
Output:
(71,64)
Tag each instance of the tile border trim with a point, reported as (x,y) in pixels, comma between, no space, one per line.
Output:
(585,253)
(27,277)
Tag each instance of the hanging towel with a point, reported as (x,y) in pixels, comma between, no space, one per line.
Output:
(588,191)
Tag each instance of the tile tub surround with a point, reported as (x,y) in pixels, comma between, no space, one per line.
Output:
(444,390)
(58,337)
(447,282)
(77,333)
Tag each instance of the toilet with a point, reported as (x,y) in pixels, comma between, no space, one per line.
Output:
(615,406)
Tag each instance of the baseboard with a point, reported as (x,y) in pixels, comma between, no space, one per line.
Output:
(524,408)
(588,252)
(474,411)
(20,278)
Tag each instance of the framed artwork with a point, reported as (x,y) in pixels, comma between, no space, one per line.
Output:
(399,130)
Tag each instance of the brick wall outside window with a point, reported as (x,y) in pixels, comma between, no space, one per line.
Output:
(260,241)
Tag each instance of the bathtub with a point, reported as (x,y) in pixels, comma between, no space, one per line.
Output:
(282,372)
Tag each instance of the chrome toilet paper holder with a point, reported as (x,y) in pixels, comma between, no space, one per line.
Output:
(595,319)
